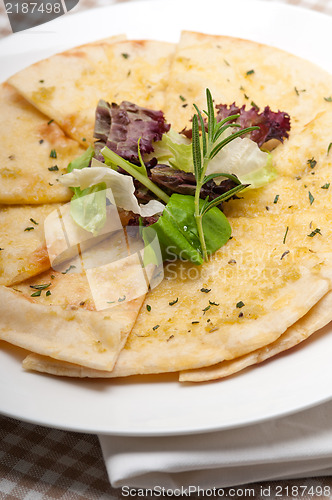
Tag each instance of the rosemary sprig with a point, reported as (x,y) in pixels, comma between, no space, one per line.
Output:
(204,149)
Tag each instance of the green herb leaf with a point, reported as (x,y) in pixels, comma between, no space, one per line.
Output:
(205,290)
(326,186)
(174,301)
(54,168)
(53,154)
(29,228)
(148,307)
(240,304)
(34,222)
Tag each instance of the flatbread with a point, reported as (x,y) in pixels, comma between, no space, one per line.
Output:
(127,70)
(23,251)
(198,316)
(27,141)
(318,317)
(305,165)
(203,326)
(56,314)
(302,228)
(244,72)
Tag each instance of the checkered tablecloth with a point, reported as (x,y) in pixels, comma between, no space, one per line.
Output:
(39,463)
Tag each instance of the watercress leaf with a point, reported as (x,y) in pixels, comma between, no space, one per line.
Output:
(82,161)
(178,234)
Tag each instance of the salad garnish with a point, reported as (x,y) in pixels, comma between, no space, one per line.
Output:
(185,177)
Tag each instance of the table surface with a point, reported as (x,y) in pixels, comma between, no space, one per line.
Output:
(39,463)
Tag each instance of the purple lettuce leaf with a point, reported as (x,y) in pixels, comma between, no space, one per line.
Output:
(272,125)
(119,127)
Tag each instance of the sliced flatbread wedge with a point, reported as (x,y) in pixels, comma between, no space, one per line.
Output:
(23,250)
(34,153)
(244,72)
(307,227)
(307,149)
(57,314)
(126,70)
(318,317)
(304,163)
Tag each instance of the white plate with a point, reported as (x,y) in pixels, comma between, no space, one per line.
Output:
(161,406)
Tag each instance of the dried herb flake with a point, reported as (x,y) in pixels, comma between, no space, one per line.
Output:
(315,231)
(286,232)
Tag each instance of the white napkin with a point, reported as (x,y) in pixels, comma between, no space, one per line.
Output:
(296,446)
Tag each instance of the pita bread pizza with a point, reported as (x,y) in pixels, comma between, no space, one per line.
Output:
(167,208)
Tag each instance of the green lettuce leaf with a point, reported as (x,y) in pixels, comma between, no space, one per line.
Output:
(177,230)
(242,157)
(88,207)
(174,150)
